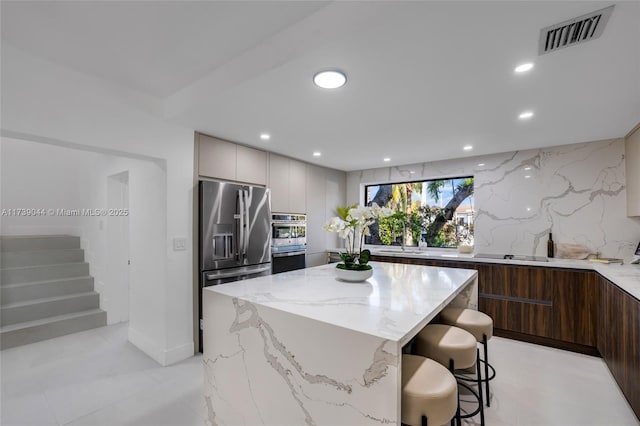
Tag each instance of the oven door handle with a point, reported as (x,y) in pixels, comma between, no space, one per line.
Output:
(289,253)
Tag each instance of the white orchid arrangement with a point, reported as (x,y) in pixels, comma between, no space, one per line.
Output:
(352,224)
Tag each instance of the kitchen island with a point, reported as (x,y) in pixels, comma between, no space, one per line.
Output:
(305,348)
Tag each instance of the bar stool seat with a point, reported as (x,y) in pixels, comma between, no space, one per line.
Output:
(481,326)
(429,390)
(443,343)
(475,322)
(456,349)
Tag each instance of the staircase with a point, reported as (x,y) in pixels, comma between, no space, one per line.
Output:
(45,289)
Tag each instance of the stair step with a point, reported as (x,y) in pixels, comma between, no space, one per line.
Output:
(15,259)
(50,327)
(38,242)
(26,274)
(14,293)
(36,309)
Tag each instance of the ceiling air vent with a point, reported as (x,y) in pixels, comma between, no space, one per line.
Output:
(574,31)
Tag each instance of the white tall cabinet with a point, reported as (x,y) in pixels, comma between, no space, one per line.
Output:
(287,180)
(632,171)
(326,190)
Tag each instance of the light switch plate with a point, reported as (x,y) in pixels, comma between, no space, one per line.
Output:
(179,243)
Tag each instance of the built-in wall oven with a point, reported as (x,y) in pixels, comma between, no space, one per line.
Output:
(289,242)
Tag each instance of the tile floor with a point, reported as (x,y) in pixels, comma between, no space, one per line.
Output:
(97,378)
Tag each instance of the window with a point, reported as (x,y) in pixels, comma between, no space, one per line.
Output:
(438,212)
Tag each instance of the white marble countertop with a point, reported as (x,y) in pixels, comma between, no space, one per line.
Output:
(395,303)
(626,276)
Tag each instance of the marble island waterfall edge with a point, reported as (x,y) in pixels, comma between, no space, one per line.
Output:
(264,365)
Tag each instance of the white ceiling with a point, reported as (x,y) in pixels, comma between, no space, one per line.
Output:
(424,78)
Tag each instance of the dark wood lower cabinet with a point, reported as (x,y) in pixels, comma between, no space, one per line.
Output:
(537,304)
(569,309)
(619,338)
(574,306)
(517,298)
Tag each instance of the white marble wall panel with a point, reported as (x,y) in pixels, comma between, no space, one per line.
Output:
(575,191)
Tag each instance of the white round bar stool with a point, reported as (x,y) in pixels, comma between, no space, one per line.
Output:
(481,326)
(429,392)
(456,349)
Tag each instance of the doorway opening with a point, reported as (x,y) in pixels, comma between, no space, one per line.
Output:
(118,262)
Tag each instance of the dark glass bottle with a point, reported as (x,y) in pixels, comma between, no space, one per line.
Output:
(550,245)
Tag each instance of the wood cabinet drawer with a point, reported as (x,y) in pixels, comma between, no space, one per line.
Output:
(520,316)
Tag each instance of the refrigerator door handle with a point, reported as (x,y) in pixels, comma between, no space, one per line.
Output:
(241,240)
(238,273)
(247,224)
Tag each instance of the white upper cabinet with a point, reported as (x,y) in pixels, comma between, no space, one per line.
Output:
(216,158)
(226,160)
(632,172)
(251,165)
(287,180)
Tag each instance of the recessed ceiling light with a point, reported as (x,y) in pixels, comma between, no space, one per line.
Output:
(528,209)
(523,67)
(265,136)
(386,159)
(528,168)
(317,154)
(481,164)
(527,176)
(525,115)
(330,79)
(411,172)
(467,148)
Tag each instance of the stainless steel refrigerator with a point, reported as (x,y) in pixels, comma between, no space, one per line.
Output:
(235,234)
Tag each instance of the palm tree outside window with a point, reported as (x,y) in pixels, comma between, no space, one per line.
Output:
(439,212)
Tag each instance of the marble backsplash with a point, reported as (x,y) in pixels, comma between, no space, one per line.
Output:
(575,191)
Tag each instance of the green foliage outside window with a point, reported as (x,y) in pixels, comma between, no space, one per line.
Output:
(438,212)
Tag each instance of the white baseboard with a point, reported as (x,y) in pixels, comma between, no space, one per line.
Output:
(163,357)
(146,345)
(178,353)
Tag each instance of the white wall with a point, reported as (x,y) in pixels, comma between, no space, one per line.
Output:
(43,177)
(38,175)
(43,100)
(576,191)
(147,197)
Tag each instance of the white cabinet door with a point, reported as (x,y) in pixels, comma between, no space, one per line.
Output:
(632,165)
(297,187)
(287,180)
(279,183)
(251,165)
(335,195)
(216,158)
(316,208)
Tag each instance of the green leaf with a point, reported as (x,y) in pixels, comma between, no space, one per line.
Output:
(353,267)
(347,258)
(364,257)
(343,211)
